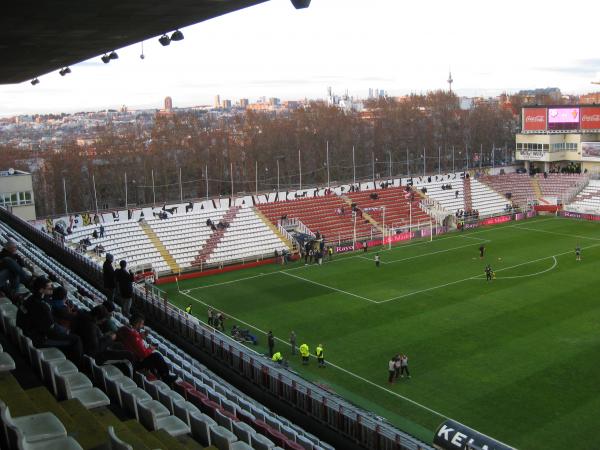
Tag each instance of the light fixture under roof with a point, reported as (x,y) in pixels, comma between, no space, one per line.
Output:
(177,36)
(105,59)
(164,40)
(64,71)
(35,81)
(113,55)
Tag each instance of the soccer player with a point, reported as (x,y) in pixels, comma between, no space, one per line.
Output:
(488,273)
(481,250)
(391,370)
(377,260)
(577,253)
(404,366)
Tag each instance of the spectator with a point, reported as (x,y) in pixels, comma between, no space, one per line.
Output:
(108,273)
(101,230)
(124,281)
(145,356)
(270,342)
(95,343)
(111,323)
(11,266)
(35,319)
(62,310)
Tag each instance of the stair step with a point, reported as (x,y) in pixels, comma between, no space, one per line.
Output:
(90,432)
(144,435)
(167,441)
(43,401)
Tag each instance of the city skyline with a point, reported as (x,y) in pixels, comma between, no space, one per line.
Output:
(273,50)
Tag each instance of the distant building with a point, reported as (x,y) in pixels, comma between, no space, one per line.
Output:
(16,193)
(168,104)
(274,101)
(370,93)
(552,92)
(591,98)
(218,102)
(226,104)
(244,102)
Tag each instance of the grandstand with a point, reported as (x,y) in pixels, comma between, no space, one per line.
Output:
(588,200)
(394,203)
(186,240)
(329,215)
(200,410)
(526,190)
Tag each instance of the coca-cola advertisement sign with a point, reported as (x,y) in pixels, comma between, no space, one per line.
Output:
(534,119)
(590,118)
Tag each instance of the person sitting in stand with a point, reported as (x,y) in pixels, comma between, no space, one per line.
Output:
(146,358)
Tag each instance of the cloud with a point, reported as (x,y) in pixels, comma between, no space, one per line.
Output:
(581,67)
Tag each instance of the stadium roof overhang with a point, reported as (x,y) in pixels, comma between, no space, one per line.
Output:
(41,36)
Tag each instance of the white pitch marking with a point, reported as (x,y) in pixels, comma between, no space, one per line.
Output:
(230,282)
(329,287)
(532,274)
(430,253)
(558,234)
(477,276)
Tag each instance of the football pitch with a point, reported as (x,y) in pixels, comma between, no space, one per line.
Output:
(516,358)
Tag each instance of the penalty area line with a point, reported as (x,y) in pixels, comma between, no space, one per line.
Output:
(474,277)
(328,287)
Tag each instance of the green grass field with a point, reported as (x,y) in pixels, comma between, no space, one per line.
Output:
(517,358)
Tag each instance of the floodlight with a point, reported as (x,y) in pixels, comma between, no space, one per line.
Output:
(177,36)
(164,40)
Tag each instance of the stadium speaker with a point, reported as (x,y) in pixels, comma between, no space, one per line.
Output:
(301,4)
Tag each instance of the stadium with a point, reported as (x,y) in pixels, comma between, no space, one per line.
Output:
(449,309)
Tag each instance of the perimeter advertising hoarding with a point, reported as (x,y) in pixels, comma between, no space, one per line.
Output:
(534,119)
(590,151)
(452,435)
(590,118)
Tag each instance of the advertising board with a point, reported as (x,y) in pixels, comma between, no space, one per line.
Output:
(590,151)
(534,119)
(590,118)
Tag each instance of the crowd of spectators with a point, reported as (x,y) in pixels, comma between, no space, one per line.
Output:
(49,317)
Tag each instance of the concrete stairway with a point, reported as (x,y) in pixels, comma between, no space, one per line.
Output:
(289,244)
(215,238)
(160,247)
(537,189)
(467,194)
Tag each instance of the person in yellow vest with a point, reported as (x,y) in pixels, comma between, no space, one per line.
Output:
(320,355)
(304,352)
(188,309)
(277,357)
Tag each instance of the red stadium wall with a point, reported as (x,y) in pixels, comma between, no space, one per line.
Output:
(206,273)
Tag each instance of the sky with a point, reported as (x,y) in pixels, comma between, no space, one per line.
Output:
(274,50)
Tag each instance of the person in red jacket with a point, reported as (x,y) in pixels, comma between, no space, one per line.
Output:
(132,339)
